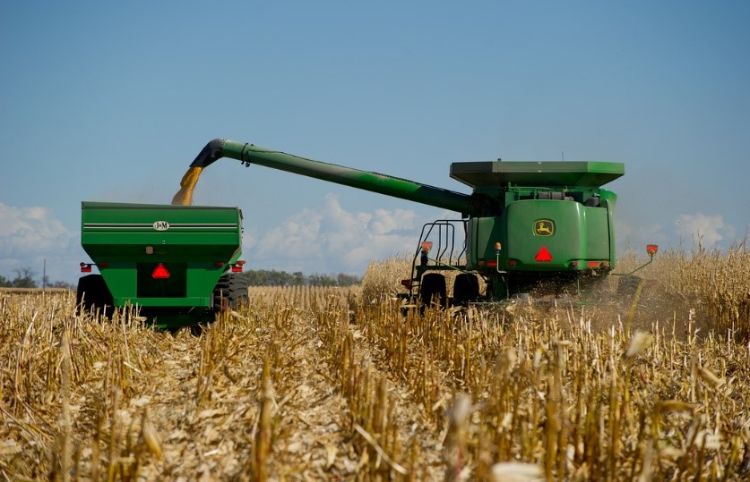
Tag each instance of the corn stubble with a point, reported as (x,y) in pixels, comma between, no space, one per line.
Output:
(334,384)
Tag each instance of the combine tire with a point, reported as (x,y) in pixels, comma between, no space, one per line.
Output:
(433,290)
(231,292)
(92,294)
(465,289)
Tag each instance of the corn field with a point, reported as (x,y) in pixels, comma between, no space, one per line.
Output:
(310,383)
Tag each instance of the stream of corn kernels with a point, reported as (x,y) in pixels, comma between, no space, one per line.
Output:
(184,196)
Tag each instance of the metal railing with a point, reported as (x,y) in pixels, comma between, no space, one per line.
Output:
(442,233)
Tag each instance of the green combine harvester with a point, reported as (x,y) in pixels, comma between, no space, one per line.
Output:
(524,223)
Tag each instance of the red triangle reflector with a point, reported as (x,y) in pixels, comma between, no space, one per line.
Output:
(543,255)
(160,272)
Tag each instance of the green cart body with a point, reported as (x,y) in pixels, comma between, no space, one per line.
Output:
(161,257)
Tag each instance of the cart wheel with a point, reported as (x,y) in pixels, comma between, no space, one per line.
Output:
(433,290)
(230,292)
(93,294)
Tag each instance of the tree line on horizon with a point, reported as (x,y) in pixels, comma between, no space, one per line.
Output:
(24,278)
(262,277)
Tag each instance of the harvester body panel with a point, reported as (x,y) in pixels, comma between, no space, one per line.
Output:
(567,230)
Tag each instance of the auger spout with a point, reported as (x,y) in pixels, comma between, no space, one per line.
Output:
(366,180)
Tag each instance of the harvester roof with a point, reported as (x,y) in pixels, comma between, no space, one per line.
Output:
(547,173)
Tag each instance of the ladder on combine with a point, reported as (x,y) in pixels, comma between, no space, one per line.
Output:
(437,237)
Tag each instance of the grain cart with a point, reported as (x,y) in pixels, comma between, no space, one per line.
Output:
(180,264)
(523,223)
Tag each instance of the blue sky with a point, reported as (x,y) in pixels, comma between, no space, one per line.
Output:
(111,102)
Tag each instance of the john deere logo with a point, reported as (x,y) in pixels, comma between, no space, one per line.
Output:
(161,225)
(544,227)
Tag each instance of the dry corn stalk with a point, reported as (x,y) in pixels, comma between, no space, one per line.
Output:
(543,382)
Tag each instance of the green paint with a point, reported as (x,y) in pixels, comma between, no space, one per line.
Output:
(117,236)
(369,181)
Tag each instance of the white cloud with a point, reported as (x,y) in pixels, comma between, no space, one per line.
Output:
(632,238)
(29,230)
(30,234)
(703,230)
(331,238)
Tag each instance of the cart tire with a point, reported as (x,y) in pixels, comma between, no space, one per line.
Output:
(231,292)
(92,294)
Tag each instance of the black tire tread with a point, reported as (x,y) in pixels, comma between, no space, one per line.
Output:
(433,284)
(231,288)
(92,293)
(465,289)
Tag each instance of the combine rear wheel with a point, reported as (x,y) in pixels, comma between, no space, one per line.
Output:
(432,290)
(92,294)
(231,292)
(465,289)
